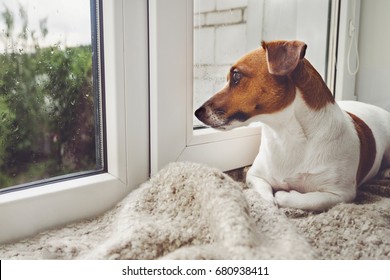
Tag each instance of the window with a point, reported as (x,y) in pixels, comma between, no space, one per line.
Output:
(50,94)
(148,70)
(123,30)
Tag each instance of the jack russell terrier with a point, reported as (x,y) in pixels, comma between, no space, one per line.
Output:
(314,152)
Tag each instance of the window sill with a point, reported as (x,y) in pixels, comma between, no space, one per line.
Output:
(30,211)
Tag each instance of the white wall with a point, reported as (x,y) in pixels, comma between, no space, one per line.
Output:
(304,20)
(373,78)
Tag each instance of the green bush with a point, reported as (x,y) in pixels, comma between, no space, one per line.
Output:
(47,115)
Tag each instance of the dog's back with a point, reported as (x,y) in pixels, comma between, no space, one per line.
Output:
(378,120)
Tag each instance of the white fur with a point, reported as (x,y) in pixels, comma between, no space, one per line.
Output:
(310,158)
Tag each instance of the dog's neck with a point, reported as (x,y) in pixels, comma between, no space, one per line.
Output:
(325,123)
(313,113)
(314,91)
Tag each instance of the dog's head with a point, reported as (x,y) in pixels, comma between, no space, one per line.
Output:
(257,84)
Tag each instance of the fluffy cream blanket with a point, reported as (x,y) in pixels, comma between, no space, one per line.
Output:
(189,211)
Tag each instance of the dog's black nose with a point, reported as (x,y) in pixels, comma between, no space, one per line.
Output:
(199,113)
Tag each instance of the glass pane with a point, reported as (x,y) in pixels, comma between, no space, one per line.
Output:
(49,90)
(226,30)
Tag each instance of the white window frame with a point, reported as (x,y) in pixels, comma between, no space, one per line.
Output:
(26,212)
(348,29)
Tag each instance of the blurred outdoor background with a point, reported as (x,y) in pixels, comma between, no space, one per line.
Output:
(47,103)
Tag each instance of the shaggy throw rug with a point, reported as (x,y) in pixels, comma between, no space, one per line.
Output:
(190,211)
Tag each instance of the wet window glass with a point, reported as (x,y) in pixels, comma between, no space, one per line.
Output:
(50,107)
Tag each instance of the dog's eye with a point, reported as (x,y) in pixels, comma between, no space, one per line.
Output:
(236,77)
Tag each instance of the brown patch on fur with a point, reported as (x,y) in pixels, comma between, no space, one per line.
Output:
(315,92)
(284,56)
(287,58)
(257,92)
(367,148)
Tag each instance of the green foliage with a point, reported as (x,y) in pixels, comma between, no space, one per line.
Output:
(47,125)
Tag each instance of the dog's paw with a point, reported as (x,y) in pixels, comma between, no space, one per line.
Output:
(285,199)
(267,198)
(262,188)
(281,197)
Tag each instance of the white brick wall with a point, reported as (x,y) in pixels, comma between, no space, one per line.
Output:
(230,43)
(199,20)
(201,6)
(220,37)
(220,32)
(224,17)
(229,4)
(204,45)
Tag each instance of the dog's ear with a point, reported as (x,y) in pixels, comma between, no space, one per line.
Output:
(283,56)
